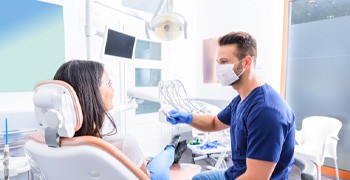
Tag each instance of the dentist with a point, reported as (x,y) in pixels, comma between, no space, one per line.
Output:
(261,123)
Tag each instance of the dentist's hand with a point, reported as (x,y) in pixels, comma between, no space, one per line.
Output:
(179,117)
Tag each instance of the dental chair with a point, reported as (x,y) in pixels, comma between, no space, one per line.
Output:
(56,154)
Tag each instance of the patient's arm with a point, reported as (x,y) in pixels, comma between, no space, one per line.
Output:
(145,170)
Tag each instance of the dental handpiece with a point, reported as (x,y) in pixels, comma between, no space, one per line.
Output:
(167,115)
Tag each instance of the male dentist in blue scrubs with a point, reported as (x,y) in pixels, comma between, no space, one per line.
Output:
(261,123)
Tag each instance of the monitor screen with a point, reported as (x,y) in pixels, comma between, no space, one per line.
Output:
(119,44)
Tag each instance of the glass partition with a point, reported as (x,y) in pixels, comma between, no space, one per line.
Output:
(318,61)
(145,77)
(148,50)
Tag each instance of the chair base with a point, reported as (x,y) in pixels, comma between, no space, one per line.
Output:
(307,168)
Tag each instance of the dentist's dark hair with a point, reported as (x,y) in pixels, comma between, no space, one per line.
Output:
(246,44)
(85,78)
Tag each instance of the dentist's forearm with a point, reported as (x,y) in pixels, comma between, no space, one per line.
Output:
(207,123)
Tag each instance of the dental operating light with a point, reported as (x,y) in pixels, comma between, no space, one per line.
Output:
(167,25)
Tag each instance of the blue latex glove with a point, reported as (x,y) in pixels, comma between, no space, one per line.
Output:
(179,117)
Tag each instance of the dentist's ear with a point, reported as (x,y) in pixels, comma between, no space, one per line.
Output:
(248,62)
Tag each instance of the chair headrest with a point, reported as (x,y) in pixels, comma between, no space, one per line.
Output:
(57,108)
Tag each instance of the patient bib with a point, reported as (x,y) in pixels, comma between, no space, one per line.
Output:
(126,143)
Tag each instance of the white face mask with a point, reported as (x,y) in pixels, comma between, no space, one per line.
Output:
(226,75)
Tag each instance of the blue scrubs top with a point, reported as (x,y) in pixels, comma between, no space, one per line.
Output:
(262,128)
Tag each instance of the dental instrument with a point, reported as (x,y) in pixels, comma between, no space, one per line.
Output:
(6,154)
(167,115)
(172,95)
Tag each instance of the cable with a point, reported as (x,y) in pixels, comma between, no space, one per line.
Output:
(173,93)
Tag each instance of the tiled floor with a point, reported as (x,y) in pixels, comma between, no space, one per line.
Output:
(187,158)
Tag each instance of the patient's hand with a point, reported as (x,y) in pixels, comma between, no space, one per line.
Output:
(148,160)
(144,169)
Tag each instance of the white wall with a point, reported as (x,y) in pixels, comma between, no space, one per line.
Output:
(262,19)
(206,19)
(75,43)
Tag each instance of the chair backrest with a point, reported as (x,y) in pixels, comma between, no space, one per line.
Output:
(57,109)
(58,155)
(316,129)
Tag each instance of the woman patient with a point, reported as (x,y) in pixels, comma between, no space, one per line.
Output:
(94,90)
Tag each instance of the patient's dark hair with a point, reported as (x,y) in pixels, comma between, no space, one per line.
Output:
(85,78)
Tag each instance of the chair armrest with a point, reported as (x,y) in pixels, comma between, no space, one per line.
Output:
(330,146)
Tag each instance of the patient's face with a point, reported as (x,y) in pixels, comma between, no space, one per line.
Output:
(106,91)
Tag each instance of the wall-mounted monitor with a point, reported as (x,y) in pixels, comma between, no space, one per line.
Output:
(118,44)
